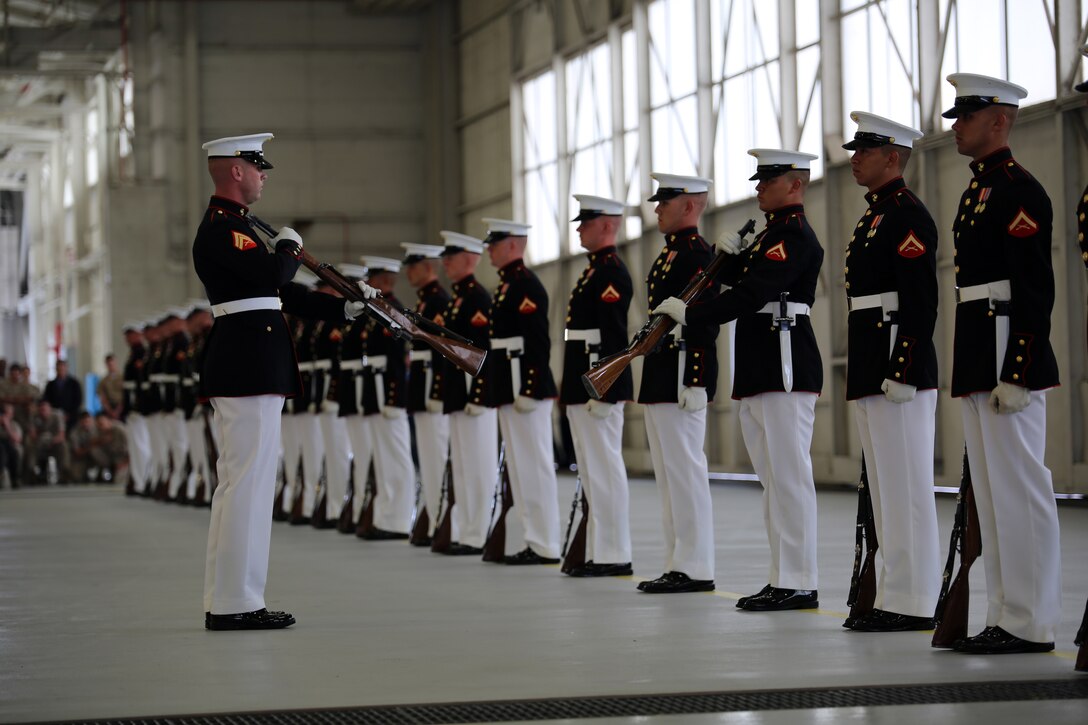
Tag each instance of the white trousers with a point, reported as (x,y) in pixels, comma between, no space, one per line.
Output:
(897,439)
(395,474)
(292,454)
(139,450)
(308,429)
(530,459)
(474,456)
(198,454)
(337,461)
(177,442)
(362,449)
(777,430)
(1017,516)
(676,450)
(598,447)
(433,448)
(241,522)
(158,463)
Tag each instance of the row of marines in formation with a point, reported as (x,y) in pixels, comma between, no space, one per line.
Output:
(359,383)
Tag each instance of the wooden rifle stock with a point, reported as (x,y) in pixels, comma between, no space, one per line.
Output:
(863,580)
(443,533)
(366,517)
(400,321)
(601,376)
(346,524)
(1082,642)
(950,615)
(574,550)
(495,544)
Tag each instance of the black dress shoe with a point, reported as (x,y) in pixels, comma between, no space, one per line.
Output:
(676,582)
(590,569)
(527,556)
(423,542)
(376,534)
(299,521)
(996,641)
(743,600)
(879,620)
(777,599)
(462,550)
(260,619)
(325,524)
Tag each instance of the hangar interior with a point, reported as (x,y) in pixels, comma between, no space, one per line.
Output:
(394,119)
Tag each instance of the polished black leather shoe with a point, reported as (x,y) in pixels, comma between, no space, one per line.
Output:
(376,534)
(777,599)
(527,556)
(421,542)
(879,620)
(676,582)
(743,600)
(260,619)
(591,569)
(996,641)
(325,524)
(462,550)
(299,521)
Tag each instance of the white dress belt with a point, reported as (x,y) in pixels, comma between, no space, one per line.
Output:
(322,364)
(888,301)
(512,345)
(792,308)
(589,337)
(376,363)
(999,291)
(351,365)
(128,385)
(246,305)
(419,356)
(306,367)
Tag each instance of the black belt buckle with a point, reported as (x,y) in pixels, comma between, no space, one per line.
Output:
(1002,307)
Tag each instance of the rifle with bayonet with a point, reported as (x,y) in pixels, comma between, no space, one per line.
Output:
(443,532)
(863,579)
(601,376)
(403,323)
(366,516)
(495,543)
(950,616)
(1081,641)
(574,550)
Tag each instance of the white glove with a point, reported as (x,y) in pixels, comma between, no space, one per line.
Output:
(369,292)
(434,406)
(287,233)
(523,404)
(729,244)
(674,307)
(898,392)
(692,399)
(474,410)
(1009,398)
(353,309)
(392,412)
(599,409)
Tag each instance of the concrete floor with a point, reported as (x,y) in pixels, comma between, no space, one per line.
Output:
(100,616)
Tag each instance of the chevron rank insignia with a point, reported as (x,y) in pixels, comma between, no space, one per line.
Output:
(610,294)
(911,247)
(243,242)
(478,320)
(527,307)
(1023,225)
(777,253)
(335,335)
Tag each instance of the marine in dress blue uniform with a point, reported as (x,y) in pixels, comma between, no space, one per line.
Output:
(432,426)
(1082,230)
(1002,363)
(136,435)
(175,369)
(248,370)
(198,323)
(596,326)
(523,390)
(775,279)
(891,374)
(334,432)
(678,381)
(474,428)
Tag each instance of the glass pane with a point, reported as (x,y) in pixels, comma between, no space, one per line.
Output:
(672,49)
(542,211)
(808,65)
(630,81)
(807,15)
(980,35)
(748,121)
(674,140)
(1031,51)
(845,5)
(856,95)
(589,98)
(538,103)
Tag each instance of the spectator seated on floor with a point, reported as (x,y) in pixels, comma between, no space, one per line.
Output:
(46,439)
(112,449)
(11,447)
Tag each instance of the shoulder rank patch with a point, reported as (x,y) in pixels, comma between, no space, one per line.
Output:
(527,307)
(911,247)
(777,253)
(610,294)
(440,320)
(478,320)
(1023,225)
(243,242)
(335,335)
